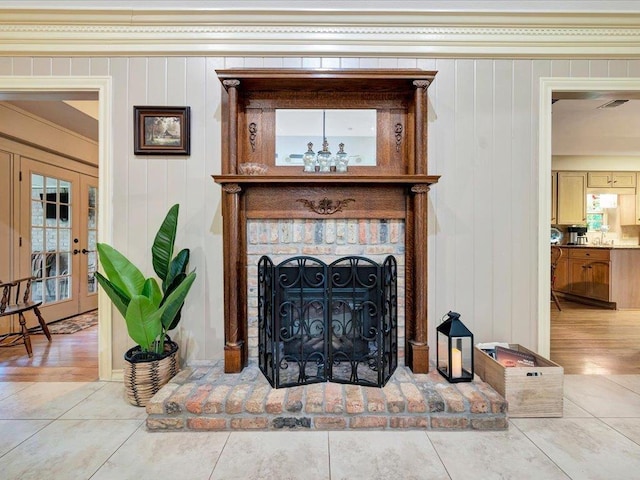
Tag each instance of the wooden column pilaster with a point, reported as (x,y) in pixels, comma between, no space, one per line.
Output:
(420,147)
(231,161)
(419,348)
(235,330)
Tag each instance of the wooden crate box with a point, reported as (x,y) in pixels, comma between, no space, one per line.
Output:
(529,391)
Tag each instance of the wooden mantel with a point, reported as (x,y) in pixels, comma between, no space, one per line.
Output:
(396,188)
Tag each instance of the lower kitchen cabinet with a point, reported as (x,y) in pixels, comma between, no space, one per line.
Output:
(607,276)
(589,278)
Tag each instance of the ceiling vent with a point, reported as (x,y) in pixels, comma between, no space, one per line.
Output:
(613,104)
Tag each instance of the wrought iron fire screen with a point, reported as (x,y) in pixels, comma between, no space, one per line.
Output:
(320,322)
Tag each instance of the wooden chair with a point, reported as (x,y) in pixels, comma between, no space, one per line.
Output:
(556,254)
(13,303)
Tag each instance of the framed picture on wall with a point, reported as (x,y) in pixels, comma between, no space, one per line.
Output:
(161,130)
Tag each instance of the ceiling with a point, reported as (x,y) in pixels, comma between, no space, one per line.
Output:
(581,127)
(77,112)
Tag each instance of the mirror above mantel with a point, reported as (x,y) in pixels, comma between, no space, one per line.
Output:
(354,128)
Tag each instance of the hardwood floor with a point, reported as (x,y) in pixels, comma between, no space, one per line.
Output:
(591,340)
(68,358)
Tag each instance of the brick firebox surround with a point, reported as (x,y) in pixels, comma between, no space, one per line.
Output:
(326,240)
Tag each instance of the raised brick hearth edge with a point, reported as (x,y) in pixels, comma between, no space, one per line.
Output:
(205,398)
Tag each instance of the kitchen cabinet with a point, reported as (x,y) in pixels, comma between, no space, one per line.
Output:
(600,276)
(629,206)
(611,180)
(589,273)
(571,198)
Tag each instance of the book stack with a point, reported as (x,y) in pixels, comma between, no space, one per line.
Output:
(508,357)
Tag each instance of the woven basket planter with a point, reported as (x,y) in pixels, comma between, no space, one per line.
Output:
(146,373)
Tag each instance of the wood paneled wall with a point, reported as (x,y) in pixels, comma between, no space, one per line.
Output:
(483,124)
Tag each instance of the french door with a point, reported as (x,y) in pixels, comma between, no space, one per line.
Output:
(58,230)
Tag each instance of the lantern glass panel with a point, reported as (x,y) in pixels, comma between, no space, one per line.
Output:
(443,353)
(461,357)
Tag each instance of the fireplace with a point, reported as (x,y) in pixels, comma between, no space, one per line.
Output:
(320,322)
(394,189)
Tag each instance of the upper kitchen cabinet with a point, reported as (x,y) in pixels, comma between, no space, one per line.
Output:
(611,180)
(572,200)
(629,206)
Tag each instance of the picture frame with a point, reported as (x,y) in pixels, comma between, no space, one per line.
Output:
(161,130)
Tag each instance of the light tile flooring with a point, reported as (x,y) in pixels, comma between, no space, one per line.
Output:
(86,430)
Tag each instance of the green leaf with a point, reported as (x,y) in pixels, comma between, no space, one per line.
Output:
(143,322)
(162,249)
(120,271)
(173,303)
(177,270)
(152,291)
(119,298)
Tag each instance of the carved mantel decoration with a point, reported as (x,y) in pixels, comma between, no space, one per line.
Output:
(326,206)
(253,133)
(395,188)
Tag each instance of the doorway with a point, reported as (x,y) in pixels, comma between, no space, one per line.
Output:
(58,223)
(549,86)
(27,86)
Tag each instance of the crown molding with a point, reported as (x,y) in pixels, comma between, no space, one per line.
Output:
(319,33)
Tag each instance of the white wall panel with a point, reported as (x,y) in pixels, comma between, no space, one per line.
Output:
(502,188)
(462,178)
(484,216)
(6,66)
(197,212)
(22,66)
(523,204)
(156,166)
(42,66)
(598,68)
(579,68)
(560,68)
(211,282)
(618,68)
(442,148)
(77,66)
(483,124)
(633,68)
(99,66)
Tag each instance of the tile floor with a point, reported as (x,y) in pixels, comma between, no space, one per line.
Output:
(86,430)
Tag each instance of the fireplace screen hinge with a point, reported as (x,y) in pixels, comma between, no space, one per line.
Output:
(319,322)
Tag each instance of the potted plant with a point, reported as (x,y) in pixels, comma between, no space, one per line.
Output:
(150,309)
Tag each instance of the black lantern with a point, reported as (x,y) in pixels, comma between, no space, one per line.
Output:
(454,350)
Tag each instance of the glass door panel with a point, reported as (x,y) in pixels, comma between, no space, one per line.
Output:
(89,237)
(50,238)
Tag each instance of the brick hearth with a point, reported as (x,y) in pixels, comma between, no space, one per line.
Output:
(205,398)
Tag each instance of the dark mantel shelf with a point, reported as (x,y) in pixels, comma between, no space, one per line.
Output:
(324,179)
